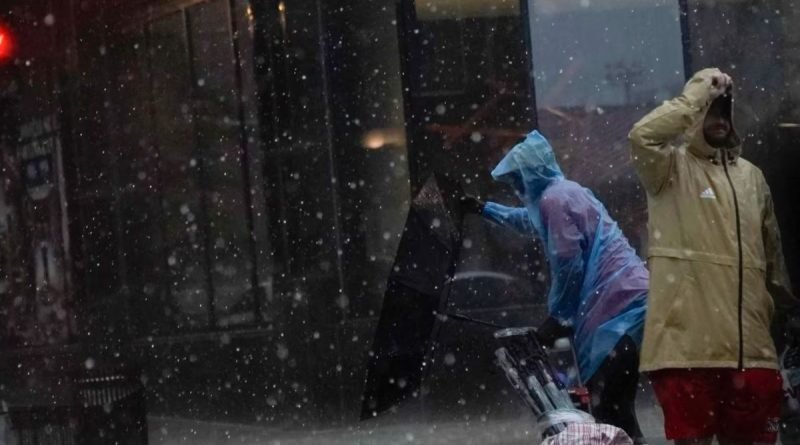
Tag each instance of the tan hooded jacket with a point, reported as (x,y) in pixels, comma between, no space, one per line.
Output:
(705,309)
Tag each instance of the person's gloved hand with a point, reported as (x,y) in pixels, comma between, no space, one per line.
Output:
(471,204)
(551,330)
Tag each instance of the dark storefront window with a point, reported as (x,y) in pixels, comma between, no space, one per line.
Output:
(183,220)
(219,136)
(182,172)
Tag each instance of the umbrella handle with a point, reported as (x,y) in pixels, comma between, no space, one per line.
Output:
(466,319)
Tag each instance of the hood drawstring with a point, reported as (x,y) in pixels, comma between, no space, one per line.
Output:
(715,158)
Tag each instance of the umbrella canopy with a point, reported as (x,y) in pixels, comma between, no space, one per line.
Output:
(417,290)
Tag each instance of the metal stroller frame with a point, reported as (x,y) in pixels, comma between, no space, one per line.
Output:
(527,367)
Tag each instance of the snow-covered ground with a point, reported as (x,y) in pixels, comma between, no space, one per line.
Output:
(508,431)
(380,431)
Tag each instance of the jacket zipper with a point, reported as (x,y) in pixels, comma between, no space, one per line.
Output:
(741,264)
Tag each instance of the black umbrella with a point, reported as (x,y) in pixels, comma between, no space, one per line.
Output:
(416,292)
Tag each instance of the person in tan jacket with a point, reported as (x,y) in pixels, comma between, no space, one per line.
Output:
(716,271)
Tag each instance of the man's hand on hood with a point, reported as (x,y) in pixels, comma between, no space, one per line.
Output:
(719,83)
(705,86)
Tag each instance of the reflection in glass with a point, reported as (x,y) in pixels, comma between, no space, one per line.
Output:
(182,199)
(217,132)
(598,67)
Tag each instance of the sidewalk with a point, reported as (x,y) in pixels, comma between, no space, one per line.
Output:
(172,431)
(479,431)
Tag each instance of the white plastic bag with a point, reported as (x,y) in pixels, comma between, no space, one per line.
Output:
(589,434)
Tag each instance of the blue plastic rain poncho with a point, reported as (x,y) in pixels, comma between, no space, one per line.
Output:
(598,284)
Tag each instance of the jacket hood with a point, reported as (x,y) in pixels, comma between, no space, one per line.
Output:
(697,141)
(530,167)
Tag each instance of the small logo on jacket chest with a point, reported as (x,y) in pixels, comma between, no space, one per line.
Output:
(708,194)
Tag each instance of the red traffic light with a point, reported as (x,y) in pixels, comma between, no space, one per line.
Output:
(6,43)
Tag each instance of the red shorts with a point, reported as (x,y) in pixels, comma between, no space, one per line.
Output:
(735,405)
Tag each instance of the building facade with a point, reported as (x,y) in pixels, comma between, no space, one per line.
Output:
(212,191)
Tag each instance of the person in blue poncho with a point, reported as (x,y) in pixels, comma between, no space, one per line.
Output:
(598,285)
